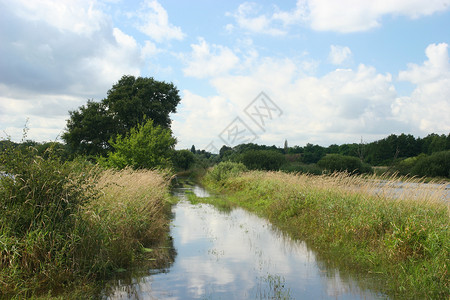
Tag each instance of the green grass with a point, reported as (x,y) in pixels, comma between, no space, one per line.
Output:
(67,227)
(405,242)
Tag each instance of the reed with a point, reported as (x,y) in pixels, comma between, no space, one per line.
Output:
(365,223)
(70,225)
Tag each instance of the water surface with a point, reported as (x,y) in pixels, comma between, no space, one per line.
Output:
(237,255)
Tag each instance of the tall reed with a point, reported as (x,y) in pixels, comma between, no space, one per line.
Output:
(67,224)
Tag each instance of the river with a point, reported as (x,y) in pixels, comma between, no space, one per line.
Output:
(237,255)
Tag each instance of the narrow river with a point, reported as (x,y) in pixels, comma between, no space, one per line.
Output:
(236,255)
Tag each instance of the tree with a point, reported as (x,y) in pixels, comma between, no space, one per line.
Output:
(183,159)
(263,160)
(193,149)
(89,129)
(129,102)
(145,146)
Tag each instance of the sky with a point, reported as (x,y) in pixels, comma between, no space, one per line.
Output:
(307,71)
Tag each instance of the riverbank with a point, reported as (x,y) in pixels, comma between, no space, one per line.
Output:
(406,242)
(67,227)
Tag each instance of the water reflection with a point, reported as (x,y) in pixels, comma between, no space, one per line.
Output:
(237,255)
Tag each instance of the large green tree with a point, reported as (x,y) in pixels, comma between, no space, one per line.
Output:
(128,103)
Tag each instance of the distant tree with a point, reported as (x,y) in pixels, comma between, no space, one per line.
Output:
(129,102)
(312,153)
(193,149)
(263,160)
(145,146)
(337,162)
(183,159)
(224,151)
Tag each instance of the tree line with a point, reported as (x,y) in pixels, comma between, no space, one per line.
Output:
(131,127)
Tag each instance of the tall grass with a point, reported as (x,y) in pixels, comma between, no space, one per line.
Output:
(402,236)
(66,224)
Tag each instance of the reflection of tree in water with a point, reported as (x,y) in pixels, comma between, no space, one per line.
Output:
(127,284)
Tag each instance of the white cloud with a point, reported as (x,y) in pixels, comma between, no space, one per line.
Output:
(329,15)
(54,56)
(154,22)
(209,60)
(339,54)
(341,106)
(248,18)
(428,107)
(353,15)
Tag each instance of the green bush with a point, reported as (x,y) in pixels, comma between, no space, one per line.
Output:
(435,165)
(224,170)
(297,167)
(263,160)
(145,146)
(340,163)
(183,159)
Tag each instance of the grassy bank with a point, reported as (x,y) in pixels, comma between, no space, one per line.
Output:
(353,222)
(67,226)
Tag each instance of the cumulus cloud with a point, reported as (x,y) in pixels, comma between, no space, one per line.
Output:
(208,60)
(351,16)
(54,56)
(154,22)
(339,54)
(428,107)
(335,107)
(248,17)
(328,15)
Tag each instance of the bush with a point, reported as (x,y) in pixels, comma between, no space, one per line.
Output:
(340,163)
(145,146)
(435,165)
(183,159)
(301,168)
(263,160)
(224,170)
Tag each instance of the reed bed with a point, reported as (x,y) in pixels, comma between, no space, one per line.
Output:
(69,225)
(403,237)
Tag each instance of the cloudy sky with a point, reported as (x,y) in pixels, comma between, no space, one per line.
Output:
(306,71)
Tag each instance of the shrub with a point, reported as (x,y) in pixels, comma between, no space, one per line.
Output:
(337,162)
(145,146)
(301,168)
(435,165)
(183,159)
(263,160)
(225,170)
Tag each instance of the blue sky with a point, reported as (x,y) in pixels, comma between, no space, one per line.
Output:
(331,71)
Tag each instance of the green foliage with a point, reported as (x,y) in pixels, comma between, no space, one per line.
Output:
(312,154)
(58,230)
(263,160)
(435,165)
(183,159)
(89,128)
(128,104)
(40,200)
(340,163)
(224,170)
(406,243)
(145,146)
(297,167)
